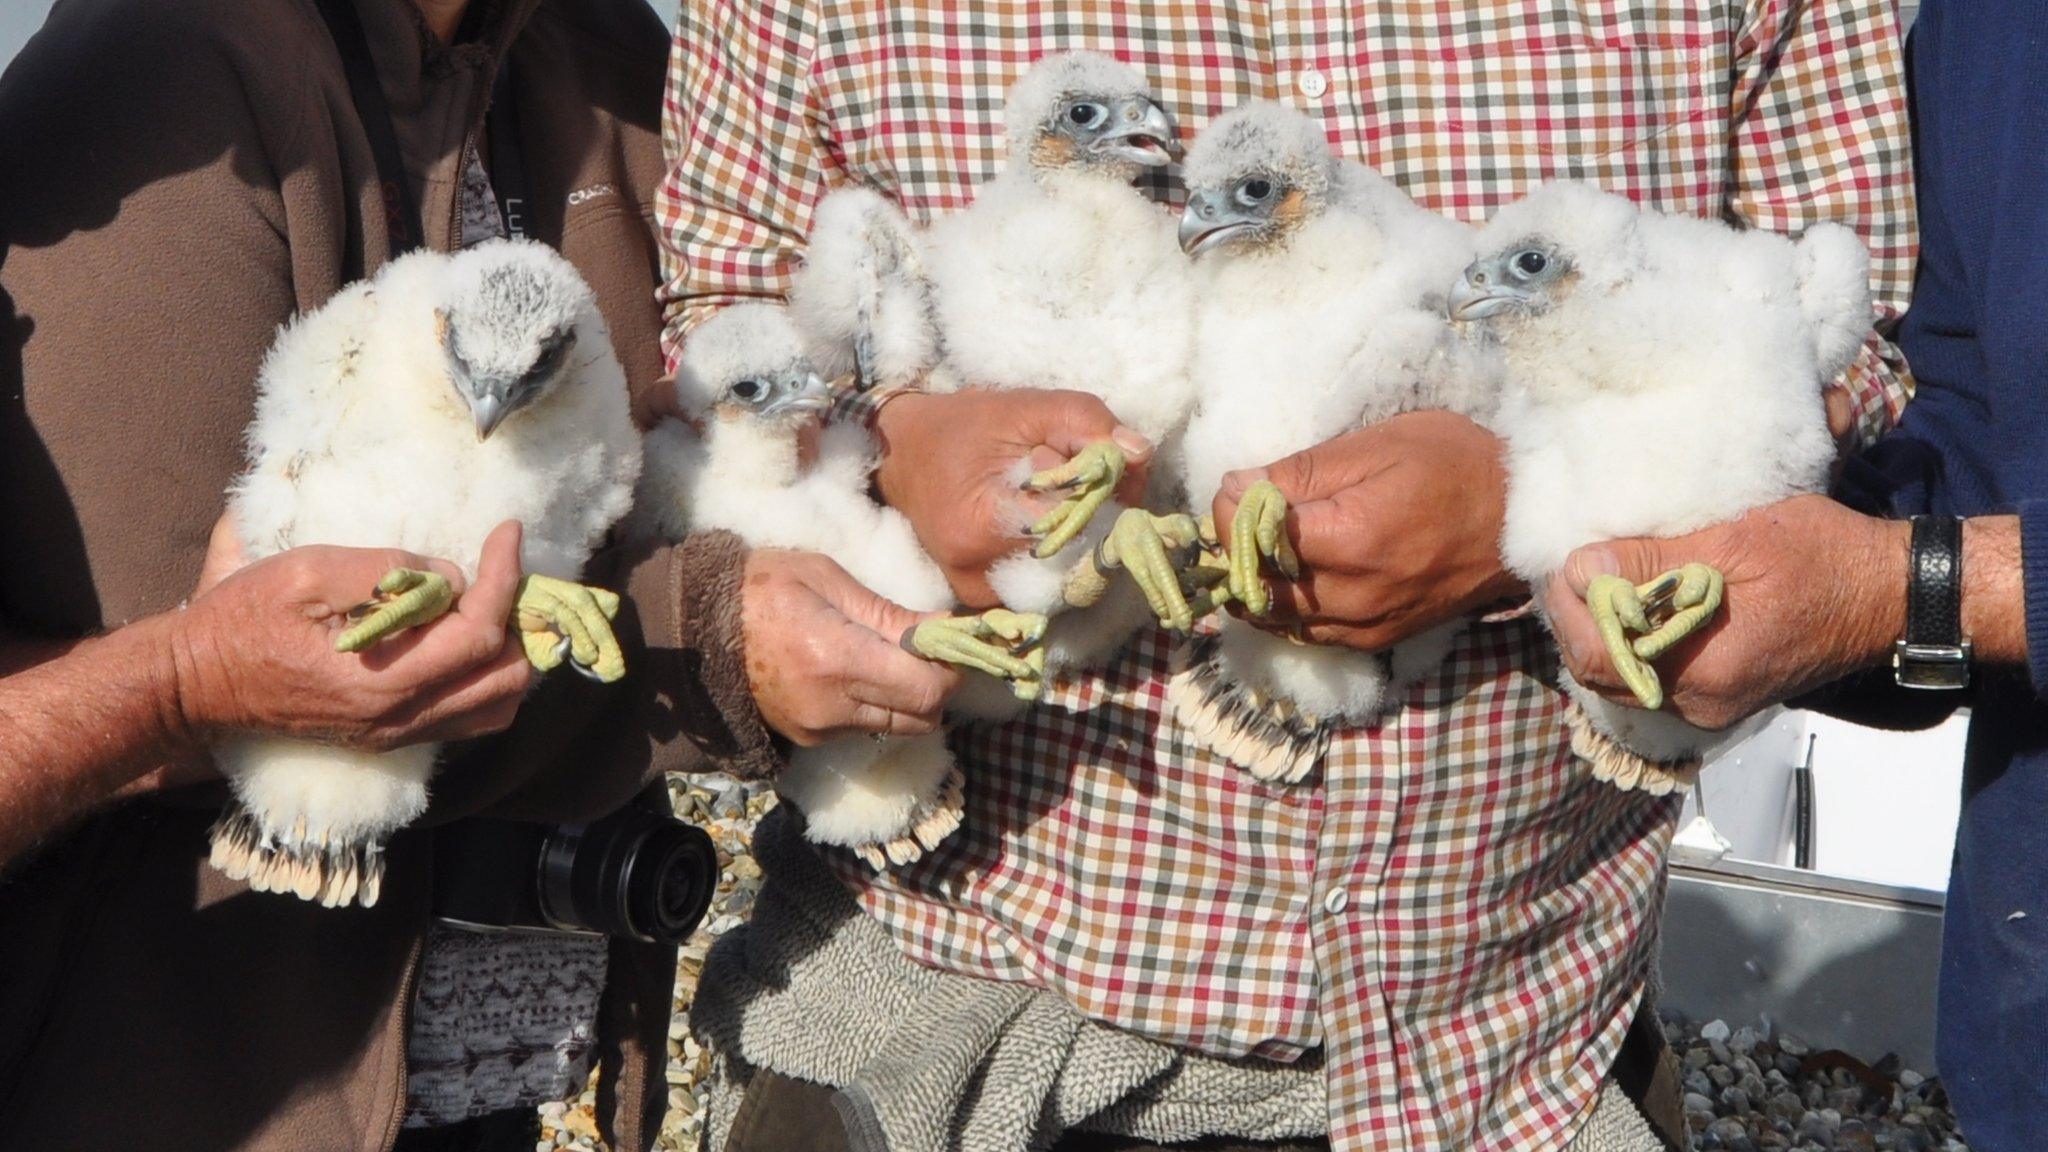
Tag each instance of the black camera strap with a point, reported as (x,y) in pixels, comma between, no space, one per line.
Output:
(366,92)
(508,156)
(401,208)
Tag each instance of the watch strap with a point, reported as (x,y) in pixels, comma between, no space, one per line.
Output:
(1934,654)
(1934,588)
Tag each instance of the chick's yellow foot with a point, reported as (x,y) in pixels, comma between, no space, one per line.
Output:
(405,598)
(1660,613)
(1679,603)
(1089,479)
(1258,532)
(560,620)
(1206,579)
(1151,549)
(1000,642)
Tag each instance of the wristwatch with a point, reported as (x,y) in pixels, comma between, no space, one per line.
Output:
(1934,654)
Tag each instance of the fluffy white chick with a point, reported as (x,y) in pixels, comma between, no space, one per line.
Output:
(761,464)
(1665,374)
(419,409)
(1059,275)
(1318,310)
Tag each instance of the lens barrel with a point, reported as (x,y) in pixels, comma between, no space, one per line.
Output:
(635,875)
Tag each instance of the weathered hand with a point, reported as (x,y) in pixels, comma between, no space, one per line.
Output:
(950,463)
(255,652)
(1813,592)
(1395,528)
(823,654)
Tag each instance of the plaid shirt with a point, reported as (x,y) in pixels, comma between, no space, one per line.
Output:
(1451,909)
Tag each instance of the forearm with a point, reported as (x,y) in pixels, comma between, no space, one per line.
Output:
(1994,590)
(75,729)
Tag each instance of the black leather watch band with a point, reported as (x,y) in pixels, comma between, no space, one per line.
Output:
(1934,653)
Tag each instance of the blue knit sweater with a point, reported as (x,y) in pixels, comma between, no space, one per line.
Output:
(1974,441)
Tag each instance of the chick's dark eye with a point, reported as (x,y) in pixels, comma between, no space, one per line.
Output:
(1254,190)
(1531,263)
(749,390)
(1085,114)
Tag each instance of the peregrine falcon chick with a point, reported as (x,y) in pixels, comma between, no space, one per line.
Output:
(1665,374)
(419,409)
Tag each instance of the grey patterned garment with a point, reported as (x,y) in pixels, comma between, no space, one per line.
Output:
(501,1020)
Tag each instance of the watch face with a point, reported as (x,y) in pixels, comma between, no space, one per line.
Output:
(1935,667)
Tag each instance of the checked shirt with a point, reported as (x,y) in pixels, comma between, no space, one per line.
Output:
(1450,909)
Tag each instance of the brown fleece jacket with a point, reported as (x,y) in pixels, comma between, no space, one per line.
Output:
(176,180)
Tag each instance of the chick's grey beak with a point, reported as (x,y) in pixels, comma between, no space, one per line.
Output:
(490,410)
(1142,134)
(1481,293)
(802,395)
(1207,222)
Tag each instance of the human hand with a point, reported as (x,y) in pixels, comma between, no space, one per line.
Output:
(950,464)
(823,653)
(255,652)
(1397,527)
(1813,593)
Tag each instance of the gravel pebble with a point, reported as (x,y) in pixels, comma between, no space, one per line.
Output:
(1771,1092)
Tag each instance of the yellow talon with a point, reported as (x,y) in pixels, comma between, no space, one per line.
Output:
(561,620)
(1146,546)
(1662,613)
(1091,477)
(1692,595)
(999,642)
(405,598)
(1258,532)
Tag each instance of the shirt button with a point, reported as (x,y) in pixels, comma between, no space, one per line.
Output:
(1310,82)
(1336,900)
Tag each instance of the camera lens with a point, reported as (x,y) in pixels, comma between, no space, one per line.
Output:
(670,884)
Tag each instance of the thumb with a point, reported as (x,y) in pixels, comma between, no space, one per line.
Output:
(497,576)
(1635,560)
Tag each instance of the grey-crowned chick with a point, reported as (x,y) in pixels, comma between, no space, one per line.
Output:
(1318,310)
(419,409)
(1061,275)
(1666,373)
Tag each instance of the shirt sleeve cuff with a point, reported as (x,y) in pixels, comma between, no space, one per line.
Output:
(700,706)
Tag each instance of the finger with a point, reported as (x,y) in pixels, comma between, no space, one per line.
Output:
(886,676)
(872,718)
(1579,643)
(469,704)
(1138,453)
(1598,560)
(488,720)
(877,615)
(1841,410)
(496,590)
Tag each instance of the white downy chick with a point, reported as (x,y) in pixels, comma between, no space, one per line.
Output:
(1318,310)
(418,409)
(763,465)
(1060,275)
(1665,373)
